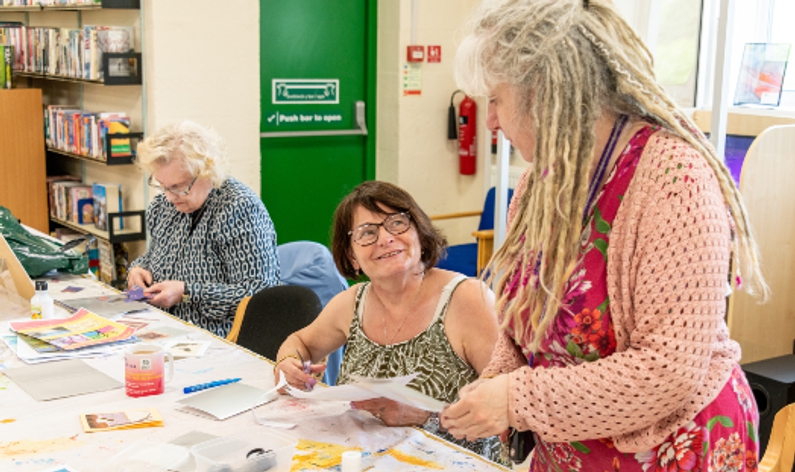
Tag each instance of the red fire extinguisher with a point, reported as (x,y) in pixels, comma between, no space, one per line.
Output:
(467,133)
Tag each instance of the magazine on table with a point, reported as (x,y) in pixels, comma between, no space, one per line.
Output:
(81,330)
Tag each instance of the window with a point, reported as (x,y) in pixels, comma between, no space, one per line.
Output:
(671,30)
(781,31)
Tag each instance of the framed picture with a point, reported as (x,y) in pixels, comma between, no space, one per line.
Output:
(122,68)
(762,74)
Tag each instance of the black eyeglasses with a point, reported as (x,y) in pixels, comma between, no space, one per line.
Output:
(180,192)
(367,234)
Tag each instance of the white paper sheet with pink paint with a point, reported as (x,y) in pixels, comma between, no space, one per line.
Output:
(395,388)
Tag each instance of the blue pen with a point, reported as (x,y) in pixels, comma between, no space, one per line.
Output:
(306,368)
(205,386)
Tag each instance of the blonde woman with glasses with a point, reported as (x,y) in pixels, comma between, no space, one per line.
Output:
(212,240)
(612,281)
(410,318)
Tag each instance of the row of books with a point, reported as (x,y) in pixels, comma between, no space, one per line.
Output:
(72,200)
(108,261)
(31,3)
(6,67)
(66,52)
(82,132)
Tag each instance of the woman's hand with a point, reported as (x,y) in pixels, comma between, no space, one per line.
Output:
(293,371)
(480,412)
(392,413)
(166,294)
(138,277)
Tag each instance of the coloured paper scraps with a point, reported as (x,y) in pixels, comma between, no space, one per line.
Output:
(28,446)
(314,455)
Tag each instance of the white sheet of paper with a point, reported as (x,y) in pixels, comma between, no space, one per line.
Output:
(180,349)
(61,379)
(223,402)
(395,388)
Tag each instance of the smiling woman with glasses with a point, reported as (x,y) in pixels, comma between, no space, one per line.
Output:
(411,317)
(212,240)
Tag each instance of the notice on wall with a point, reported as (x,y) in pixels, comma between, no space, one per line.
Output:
(278,118)
(434,54)
(412,78)
(305,91)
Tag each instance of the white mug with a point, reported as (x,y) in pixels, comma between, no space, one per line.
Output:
(144,370)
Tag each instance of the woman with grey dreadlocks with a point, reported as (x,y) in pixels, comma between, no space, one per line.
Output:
(612,280)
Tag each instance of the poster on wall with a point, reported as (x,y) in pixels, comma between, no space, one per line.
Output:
(412,78)
(762,74)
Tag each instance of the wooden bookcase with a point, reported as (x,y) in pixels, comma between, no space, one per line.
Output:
(23,188)
(109,95)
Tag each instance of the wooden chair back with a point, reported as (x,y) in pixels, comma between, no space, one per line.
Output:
(767,331)
(780,453)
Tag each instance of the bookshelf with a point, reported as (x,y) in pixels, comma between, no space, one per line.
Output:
(119,236)
(115,93)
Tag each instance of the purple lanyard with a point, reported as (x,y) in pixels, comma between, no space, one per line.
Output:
(601,167)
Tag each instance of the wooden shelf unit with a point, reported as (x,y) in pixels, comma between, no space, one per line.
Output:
(23,187)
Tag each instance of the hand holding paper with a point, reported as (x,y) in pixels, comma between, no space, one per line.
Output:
(395,388)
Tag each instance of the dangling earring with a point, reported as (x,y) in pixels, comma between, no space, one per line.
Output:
(358,273)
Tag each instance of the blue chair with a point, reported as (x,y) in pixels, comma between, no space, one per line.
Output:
(310,264)
(463,258)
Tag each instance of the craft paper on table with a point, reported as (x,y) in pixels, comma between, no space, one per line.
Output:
(226,401)
(180,349)
(106,305)
(62,379)
(96,422)
(89,287)
(161,333)
(135,324)
(83,329)
(71,289)
(395,388)
(136,293)
(29,355)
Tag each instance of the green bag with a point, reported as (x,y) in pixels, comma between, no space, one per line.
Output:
(36,254)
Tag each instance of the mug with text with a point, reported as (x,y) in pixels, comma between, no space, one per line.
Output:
(144,370)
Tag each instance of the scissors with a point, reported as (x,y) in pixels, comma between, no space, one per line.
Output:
(306,364)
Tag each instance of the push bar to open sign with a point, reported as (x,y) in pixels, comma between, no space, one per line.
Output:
(360,130)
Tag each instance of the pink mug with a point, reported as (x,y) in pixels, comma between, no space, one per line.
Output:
(144,370)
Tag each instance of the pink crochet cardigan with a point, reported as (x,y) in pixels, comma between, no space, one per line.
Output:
(668,262)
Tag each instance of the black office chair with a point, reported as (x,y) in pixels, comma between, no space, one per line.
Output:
(265,320)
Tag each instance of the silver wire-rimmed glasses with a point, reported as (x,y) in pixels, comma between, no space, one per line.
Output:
(180,192)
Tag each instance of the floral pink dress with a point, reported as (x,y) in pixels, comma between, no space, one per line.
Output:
(722,437)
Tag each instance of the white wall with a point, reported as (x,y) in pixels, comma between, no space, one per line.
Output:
(412,149)
(202,63)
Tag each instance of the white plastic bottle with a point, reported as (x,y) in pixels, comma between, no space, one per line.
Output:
(42,305)
(351,461)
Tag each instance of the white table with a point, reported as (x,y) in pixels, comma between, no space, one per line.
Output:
(37,436)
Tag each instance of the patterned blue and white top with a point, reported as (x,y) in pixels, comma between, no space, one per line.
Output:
(230,254)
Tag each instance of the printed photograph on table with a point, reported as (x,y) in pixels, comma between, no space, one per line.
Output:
(95,422)
(180,349)
(762,74)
